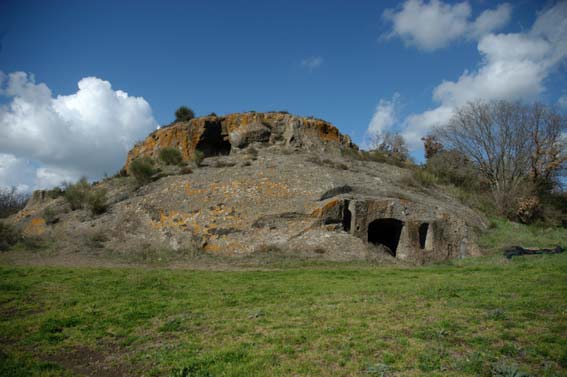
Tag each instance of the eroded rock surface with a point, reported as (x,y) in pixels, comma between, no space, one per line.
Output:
(282,195)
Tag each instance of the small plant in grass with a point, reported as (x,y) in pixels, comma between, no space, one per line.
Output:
(503,369)
(76,193)
(170,156)
(378,370)
(198,157)
(96,201)
(143,169)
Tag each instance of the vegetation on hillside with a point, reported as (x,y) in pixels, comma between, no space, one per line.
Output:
(184,114)
(11,201)
(143,169)
(81,194)
(512,154)
(170,156)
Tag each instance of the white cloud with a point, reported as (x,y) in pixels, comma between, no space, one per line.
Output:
(490,20)
(16,172)
(433,25)
(385,115)
(562,101)
(513,67)
(312,62)
(85,133)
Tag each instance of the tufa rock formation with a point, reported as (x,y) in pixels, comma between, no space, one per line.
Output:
(270,181)
(216,136)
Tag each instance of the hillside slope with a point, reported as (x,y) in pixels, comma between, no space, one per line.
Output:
(278,182)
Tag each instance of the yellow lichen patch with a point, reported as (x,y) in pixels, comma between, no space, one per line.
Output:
(36,227)
(190,191)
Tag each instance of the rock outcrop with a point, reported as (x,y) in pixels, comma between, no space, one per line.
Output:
(214,135)
(295,192)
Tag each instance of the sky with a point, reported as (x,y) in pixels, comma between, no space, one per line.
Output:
(82,81)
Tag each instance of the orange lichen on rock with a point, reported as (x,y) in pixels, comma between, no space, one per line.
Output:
(326,208)
(35,227)
(188,136)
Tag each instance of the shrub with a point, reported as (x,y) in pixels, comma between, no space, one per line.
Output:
(11,201)
(143,169)
(419,178)
(96,201)
(170,156)
(198,157)
(528,209)
(424,178)
(184,114)
(50,216)
(455,168)
(55,192)
(76,193)
(9,236)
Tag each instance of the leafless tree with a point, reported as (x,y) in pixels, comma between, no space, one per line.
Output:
(391,144)
(11,201)
(511,144)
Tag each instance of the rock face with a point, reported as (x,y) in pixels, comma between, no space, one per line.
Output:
(216,136)
(293,190)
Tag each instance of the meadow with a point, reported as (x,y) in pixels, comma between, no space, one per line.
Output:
(482,316)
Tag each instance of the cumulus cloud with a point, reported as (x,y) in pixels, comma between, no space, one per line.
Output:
(433,25)
(513,66)
(64,137)
(385,115)
(312,62)
(384,118)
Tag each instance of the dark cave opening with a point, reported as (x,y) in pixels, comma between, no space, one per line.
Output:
(347,217)
(386,232)
(423,228)
(212,142)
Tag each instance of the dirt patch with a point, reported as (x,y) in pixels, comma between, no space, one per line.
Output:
(85,361)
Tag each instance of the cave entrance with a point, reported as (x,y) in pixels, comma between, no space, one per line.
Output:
(212,142)
(347,217)
(386,232)
(425,237)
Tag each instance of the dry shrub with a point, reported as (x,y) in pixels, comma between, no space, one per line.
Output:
(528,209)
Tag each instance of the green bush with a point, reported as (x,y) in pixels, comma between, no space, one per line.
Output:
(9,236)
(184,114)
(454,168)
(96,201)
(170,156)
(198,157)
(76,193)
(424,178)
(143,169)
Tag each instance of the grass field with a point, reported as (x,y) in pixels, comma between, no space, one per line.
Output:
(483,316)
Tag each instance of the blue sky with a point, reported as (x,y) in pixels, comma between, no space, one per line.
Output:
(355,64)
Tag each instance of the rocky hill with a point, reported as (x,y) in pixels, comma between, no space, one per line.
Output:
(268,181)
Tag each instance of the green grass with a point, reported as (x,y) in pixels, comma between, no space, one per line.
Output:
(503,233)
(470,317)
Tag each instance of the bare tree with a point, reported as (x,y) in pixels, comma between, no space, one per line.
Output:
(511,144)
(11,201)
(549,146)
(391,144)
